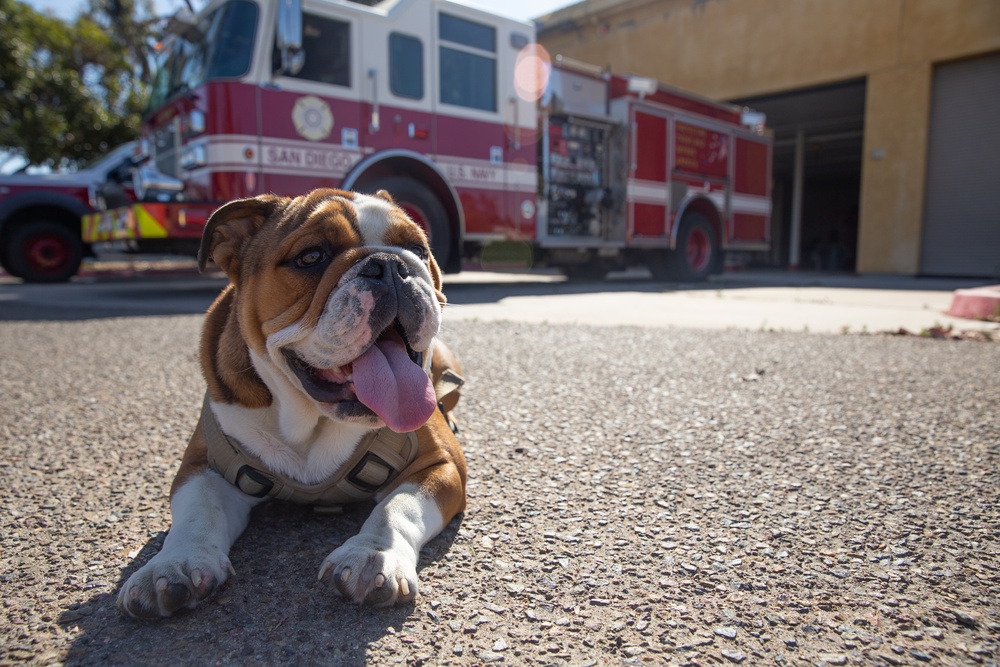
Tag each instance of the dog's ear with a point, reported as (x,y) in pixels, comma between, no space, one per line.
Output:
(230,227)
(384,194)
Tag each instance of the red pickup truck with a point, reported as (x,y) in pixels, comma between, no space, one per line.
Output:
(40,229)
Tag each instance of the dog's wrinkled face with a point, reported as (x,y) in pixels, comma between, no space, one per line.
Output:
(338,294)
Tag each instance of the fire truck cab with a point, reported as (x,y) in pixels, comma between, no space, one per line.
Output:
(498,151)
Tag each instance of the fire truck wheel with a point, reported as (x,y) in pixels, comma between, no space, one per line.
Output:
(44,252)
(697,251)
(423,207)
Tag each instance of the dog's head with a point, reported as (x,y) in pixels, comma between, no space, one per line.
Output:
(337,297)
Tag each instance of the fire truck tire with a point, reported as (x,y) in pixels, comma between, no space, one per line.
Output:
(697,253)
(424,208)
(44,252)
(5,261)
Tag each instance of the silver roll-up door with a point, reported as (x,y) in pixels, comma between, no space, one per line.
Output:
(961,234)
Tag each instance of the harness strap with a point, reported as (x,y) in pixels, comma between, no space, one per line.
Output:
(377,460)
(449,383)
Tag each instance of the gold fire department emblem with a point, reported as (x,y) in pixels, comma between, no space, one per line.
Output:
(312,118)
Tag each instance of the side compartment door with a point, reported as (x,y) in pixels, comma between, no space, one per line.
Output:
(751,194)
(646,192)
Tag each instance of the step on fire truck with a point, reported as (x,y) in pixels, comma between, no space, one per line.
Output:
(501,153)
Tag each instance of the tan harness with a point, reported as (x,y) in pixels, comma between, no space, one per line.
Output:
(378,459)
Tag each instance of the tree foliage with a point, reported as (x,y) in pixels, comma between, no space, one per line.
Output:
(72,91)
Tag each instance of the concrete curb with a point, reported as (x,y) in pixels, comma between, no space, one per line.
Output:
(978,303)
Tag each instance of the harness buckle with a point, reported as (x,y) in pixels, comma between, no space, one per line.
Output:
(253,482)
(371,473)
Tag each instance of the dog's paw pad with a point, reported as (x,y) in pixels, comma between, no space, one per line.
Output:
(378,578)
(164,586)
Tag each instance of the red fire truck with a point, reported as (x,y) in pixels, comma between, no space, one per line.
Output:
(500,152)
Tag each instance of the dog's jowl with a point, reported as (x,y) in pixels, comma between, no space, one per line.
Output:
(326,385)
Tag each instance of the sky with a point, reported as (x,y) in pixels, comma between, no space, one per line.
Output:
(518,9)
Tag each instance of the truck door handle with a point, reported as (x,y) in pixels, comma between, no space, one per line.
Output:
(373,124)
(515,144)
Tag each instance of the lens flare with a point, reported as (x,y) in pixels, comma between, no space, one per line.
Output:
(531,72)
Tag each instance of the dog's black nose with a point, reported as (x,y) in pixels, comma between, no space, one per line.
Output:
(383,265)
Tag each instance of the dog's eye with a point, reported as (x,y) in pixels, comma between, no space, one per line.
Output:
(310,257)
(419,250)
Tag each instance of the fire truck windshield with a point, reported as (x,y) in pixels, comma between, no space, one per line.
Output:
(218,45)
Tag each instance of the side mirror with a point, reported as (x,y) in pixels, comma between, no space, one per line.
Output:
(185,25)
(288,38)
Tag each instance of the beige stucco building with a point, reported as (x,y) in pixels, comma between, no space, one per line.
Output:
(886,114)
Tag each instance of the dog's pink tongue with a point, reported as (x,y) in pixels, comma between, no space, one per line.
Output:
(393,387)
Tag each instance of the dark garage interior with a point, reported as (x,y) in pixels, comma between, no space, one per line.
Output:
(829,123)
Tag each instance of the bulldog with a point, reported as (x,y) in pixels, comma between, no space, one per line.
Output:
(326,385)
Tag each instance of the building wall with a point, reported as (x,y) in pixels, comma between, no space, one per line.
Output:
(731,49)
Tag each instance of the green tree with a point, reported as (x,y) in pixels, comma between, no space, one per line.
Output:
(72,91)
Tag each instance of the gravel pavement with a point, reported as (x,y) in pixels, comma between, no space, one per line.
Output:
(636,496)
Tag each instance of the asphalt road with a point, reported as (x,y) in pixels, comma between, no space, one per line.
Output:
(637,495)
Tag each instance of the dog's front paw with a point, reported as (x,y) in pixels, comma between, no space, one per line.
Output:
(364,571)
(171,582)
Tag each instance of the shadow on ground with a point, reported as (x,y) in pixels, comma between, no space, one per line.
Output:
(189,294)
(274,611)
(471,291)
(108,297)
